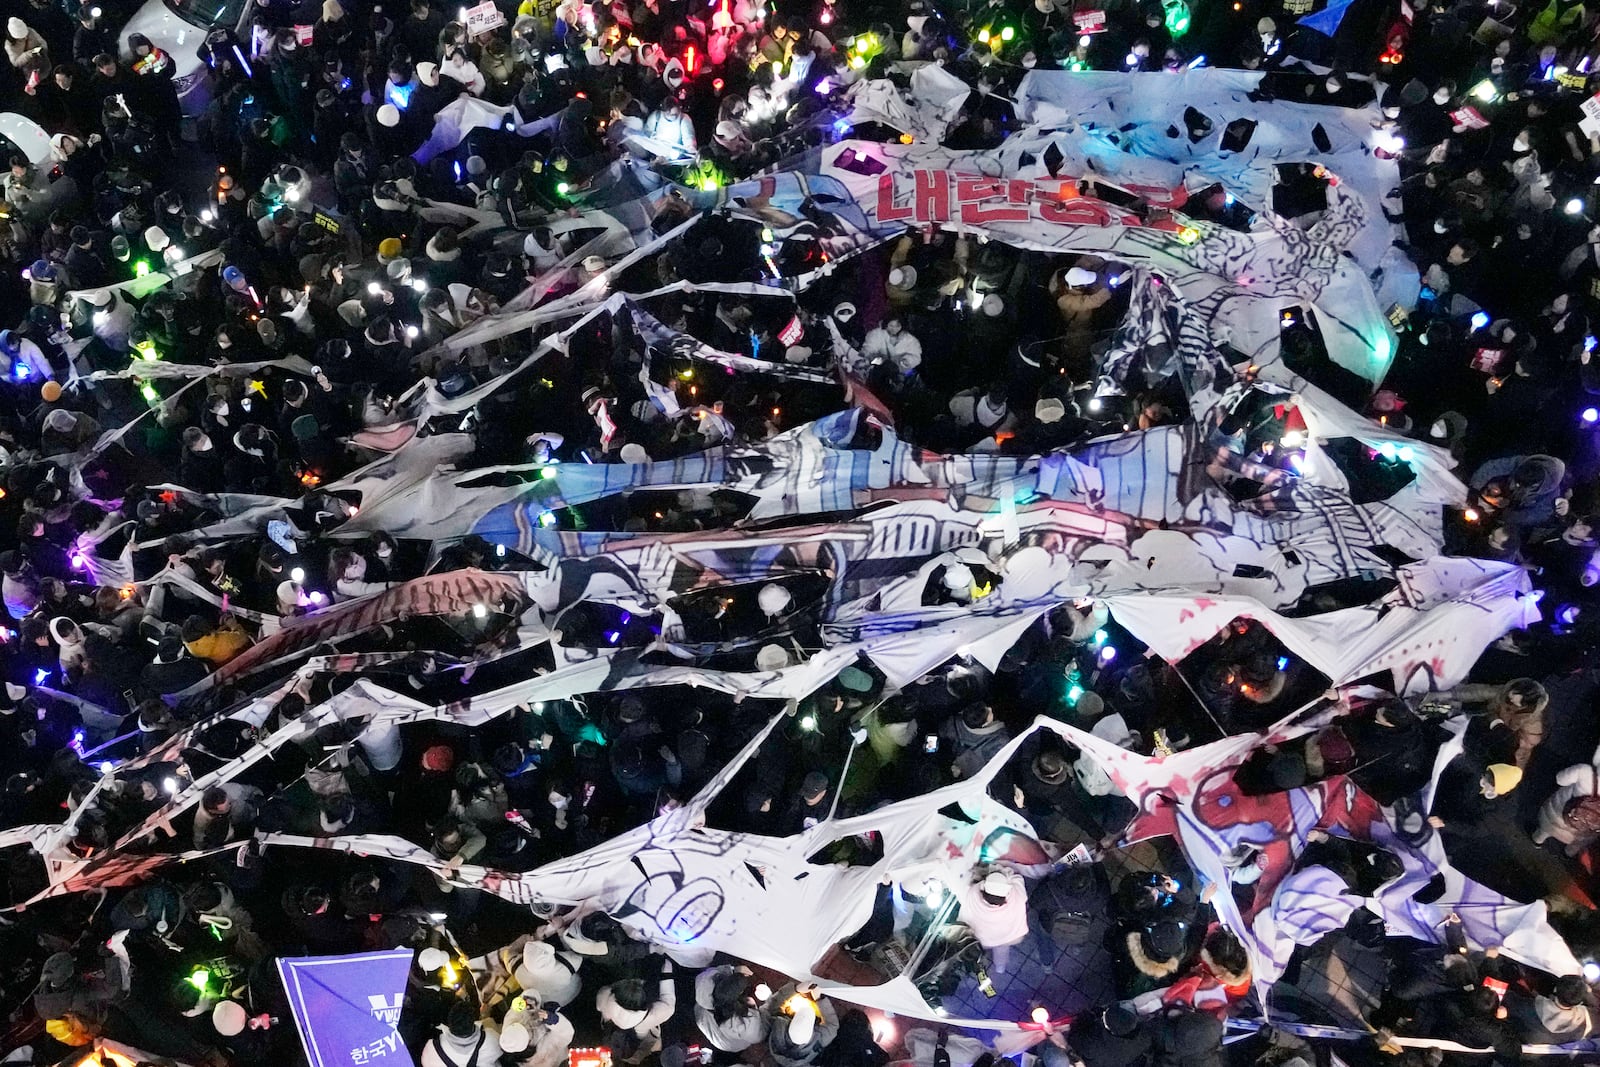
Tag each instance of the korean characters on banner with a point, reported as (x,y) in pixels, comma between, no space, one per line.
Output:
(924,197)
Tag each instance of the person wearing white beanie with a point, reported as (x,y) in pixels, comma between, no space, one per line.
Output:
(995,909)
(548,974)
(25,49)
(803,1024)
(533,1038)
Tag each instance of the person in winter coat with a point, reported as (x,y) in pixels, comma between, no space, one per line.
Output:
(20,585)
(1466,798)
(1115,1037)
(462,1041)
(226,813)
(65,989)
(1520,708)
(548,975)
(891,343)
(1521,490)
(26,50)
(726,1010)
(214,644)
(1571,814)
(995,909)
(1559,1016)
(640,1006)
(976,735)
(173,670)
(69,639)
(1219,978)
(66,432)
(1155,953)
(535,1038)
(802,1026)
(1188,1039)
(1079,292)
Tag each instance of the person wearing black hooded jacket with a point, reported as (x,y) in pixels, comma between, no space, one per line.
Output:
(1186,1038)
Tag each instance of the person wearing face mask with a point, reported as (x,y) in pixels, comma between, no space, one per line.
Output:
(200,466)
(1423,117)
(1567,558)
(381,562)
(1449,431)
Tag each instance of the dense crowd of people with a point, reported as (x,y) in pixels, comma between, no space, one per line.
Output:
(325,240)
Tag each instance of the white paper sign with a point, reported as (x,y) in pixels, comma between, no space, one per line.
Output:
(483,18)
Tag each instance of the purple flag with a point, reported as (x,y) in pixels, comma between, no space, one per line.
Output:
(347,1007)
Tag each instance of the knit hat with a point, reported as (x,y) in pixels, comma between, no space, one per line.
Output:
(514,1038)
(1164,940)
(1504,777)
(802,1026)
(997,885)
(16,28)
(389,115)
(59,968)
(60,420)
(156,239)
(903,278)
(1090,706)
(855,680)
(1049,410)
(229,1018)
(428,73)
(958,577)
(1051,768)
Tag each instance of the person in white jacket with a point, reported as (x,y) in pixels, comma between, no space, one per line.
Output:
(16,349)
(533,1038)
(640,1006)
(891,342)
(1556,822)
(462,1041)
(549,976)
(726,1009)
(996,911)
